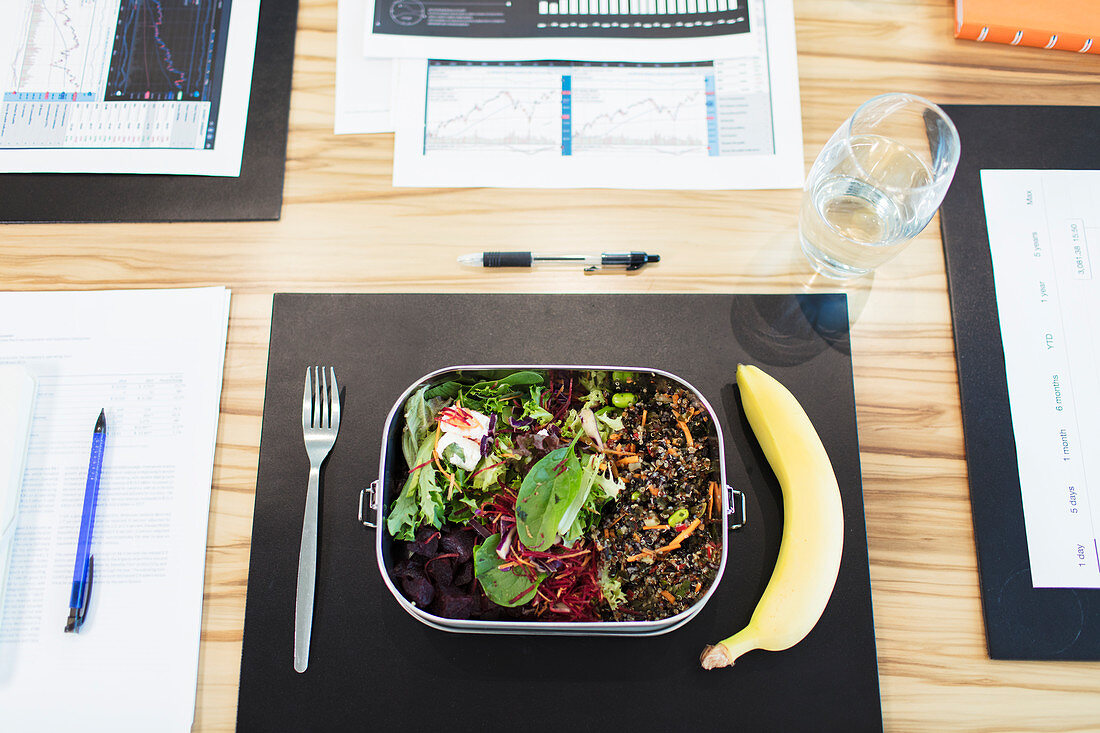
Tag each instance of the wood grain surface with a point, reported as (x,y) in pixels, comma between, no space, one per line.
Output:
(344,228)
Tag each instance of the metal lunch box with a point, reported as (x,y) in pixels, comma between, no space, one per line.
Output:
(374,501)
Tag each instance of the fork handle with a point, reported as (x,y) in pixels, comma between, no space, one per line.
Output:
(307,574)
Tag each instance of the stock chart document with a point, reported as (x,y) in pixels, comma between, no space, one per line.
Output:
(731,123)
(125,86)
(596,30)
(1042,227)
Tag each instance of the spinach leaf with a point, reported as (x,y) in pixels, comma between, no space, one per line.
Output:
(516,379)
(511,587)
(503,386)
(449,390)
(547,491)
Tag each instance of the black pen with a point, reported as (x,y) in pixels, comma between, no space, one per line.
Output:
(627,260)
(82,570)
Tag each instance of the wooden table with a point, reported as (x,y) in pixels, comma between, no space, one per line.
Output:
(344,228)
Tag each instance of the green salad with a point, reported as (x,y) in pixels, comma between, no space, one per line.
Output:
(565,496)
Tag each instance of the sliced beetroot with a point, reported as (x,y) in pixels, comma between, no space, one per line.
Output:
(410,569)
(459,542)
(427,542)
(464,573)
(418,590)
(454,605)
(440,570)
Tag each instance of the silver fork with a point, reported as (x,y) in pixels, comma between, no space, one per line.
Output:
(320,423)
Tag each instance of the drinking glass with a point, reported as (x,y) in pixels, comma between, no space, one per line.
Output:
(876,184)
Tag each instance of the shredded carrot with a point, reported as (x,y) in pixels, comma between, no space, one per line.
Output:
(710,499)
(645,414)
(668,596)
(676,398)
(675,544)
(615,452)
(507,565)
(655,526)
(628,460)
(687,433)
(640,555)
(654,490)
(698,587)
(612,438)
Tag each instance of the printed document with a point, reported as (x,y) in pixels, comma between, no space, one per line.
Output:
(106,86)
(596,30)
(1043,227)
(153,361)
(731,123)
(364,86)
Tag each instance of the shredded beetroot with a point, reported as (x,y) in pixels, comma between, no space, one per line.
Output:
(570,591)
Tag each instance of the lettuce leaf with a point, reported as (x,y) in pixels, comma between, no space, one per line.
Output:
(420,500)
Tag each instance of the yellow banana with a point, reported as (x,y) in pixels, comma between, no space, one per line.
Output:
(813,523)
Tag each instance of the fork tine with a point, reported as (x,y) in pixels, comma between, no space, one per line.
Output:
(307,402)
(323,408)
(335,391)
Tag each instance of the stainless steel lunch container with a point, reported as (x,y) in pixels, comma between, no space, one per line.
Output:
(374,501)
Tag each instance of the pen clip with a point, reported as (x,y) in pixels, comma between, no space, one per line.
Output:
(86,593)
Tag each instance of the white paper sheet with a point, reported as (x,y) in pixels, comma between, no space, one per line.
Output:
(1042,225)
(364,87)
(153,360)
(102,86)
(595,30)
(729,124)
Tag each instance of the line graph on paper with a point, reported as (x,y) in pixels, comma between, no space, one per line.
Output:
(56,46)
(514,108)
(164,49)
(659,111)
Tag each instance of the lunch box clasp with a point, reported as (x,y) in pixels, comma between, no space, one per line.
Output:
(368,505)
(735,507)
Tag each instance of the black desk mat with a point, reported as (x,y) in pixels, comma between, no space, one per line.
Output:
(1021,622)
(374,667)
(257,194)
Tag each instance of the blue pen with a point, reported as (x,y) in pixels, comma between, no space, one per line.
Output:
(82,571)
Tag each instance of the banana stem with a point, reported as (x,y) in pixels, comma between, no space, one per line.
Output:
(726,652)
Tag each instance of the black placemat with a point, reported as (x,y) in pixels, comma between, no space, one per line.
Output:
(1021,622)
(374,667)
(256,194)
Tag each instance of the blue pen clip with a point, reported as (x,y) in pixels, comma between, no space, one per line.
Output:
(78,600)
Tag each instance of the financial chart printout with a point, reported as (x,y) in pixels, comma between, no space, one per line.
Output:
(694,124)
(110,75)
(1043,227)
(601,30)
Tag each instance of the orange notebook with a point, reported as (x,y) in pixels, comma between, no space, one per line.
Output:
(1069,25)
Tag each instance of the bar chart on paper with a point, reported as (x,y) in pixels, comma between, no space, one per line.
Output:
(558,18)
